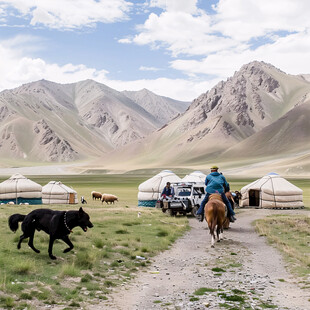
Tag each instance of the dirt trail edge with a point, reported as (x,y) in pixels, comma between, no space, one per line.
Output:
(241,272)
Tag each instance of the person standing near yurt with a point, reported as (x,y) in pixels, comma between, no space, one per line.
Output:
(216,183)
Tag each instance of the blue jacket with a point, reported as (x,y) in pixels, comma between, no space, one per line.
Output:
(168,191)
(216,183)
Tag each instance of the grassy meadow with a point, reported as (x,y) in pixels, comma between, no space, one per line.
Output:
(291,235)
(106,256)
(109,254)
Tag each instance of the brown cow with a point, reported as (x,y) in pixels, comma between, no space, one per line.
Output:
(215,216)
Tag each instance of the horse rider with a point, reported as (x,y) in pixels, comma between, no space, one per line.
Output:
(168,191)
(216,183)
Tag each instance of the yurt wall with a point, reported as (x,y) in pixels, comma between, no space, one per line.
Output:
(150,190)
(58,193)
(19,189)
(272,191)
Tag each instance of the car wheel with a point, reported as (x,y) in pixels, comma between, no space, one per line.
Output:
(172,213)
(194,210)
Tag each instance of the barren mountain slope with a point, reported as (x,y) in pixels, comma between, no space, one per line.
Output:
(113,115)
(163,108)
(255,97)
(46,121)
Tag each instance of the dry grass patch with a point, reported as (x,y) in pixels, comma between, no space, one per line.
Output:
(291,235)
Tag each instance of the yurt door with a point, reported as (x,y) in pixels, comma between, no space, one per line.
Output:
(71,198)
(254,198)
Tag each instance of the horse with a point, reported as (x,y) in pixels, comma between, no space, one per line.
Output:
(215,216)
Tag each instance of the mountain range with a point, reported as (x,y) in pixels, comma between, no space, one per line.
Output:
(256,120)
(51,122)
(259,115)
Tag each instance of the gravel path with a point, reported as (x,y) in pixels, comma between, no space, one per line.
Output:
(241,272)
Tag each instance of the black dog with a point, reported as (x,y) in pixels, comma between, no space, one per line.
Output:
(58,224)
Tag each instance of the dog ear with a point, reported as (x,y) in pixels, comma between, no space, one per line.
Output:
(81,211)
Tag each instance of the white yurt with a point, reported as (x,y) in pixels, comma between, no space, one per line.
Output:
(196,176)
(18,189)
(56,192)
(150,190)
(271,191)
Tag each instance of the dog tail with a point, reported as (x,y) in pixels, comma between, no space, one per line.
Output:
(14,220)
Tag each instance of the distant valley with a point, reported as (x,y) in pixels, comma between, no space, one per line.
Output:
(258,120)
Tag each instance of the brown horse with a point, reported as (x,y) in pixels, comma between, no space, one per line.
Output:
(215,216)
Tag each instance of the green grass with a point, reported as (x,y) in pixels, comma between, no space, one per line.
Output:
(203,290)
(102,258)
(291,235)
(217,269)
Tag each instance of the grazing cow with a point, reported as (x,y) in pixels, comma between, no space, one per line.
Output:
(215,216)
(96,195)
(108,198)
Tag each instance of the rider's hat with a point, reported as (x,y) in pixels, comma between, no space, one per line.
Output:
(215,167)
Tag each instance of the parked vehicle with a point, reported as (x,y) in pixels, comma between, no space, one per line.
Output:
(187,198)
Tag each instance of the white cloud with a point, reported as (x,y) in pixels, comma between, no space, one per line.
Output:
(17,69)
(238,31)
(221,43)
(181,33)
(236,22)
(70,14)
(246,19)
(144,68)
(188,6)
(290,54)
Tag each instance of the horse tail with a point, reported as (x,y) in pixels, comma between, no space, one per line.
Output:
(14,220)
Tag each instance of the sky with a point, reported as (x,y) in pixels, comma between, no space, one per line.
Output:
(175,48)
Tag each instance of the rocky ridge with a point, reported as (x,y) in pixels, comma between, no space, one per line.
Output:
(66,122)
(231,119)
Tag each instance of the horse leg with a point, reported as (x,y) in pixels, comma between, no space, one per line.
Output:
(218,233)
(212,239)
(211,228)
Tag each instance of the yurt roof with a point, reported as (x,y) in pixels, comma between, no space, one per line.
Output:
(17,176)
(20,182)
(273,183)
(158,181)
(195,176)
(57,187)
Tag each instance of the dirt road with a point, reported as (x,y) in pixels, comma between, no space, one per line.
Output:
(241,272)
